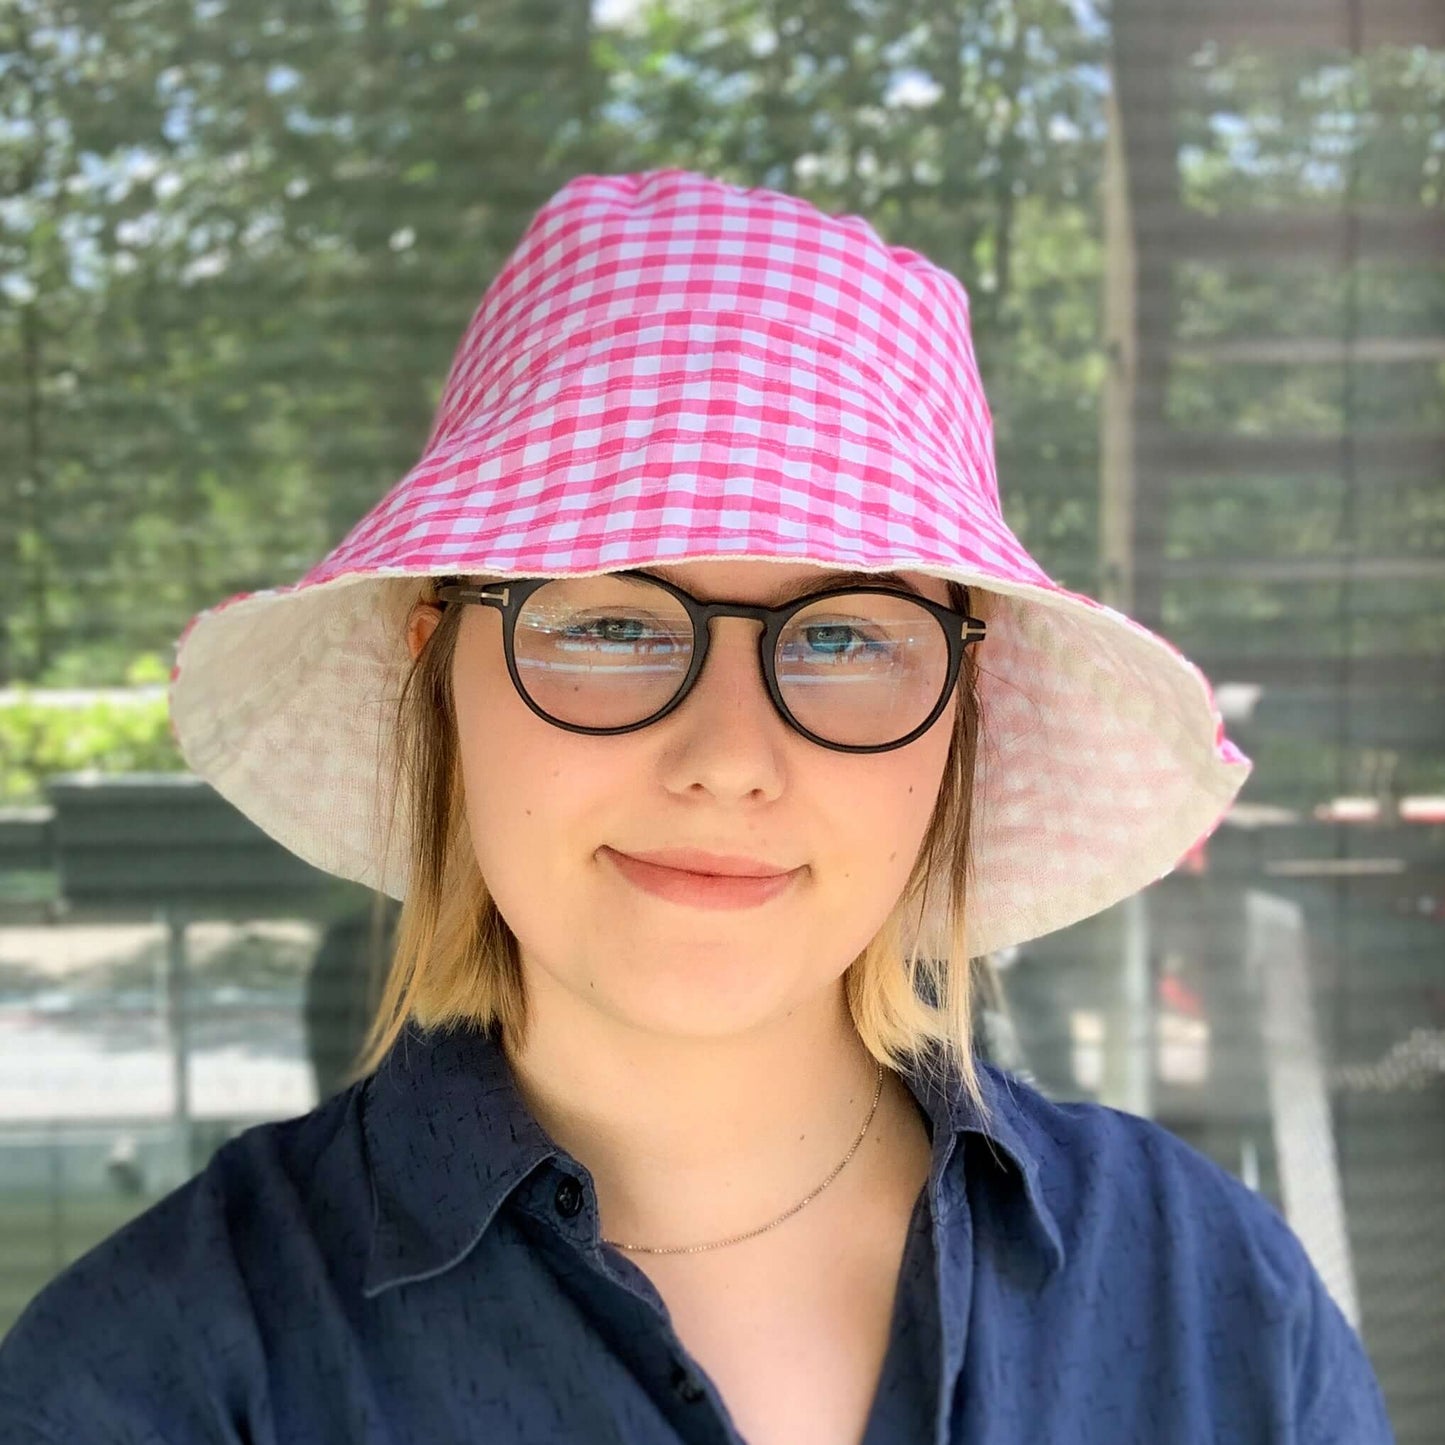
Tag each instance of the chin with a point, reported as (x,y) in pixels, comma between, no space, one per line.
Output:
(682,993)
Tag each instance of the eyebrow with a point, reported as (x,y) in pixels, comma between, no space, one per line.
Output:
(791,591)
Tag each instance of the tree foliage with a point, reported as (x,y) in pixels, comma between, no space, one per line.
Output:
(239,240)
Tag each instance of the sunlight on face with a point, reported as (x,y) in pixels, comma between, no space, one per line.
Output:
(722,772)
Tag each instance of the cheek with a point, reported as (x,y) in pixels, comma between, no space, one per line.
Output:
(876,813)
(530,788)
(882,820)
(500,764)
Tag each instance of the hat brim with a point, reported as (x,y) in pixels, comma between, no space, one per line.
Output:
(1103,758)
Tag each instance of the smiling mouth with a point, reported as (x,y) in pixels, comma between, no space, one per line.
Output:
(704,890)
(708,865)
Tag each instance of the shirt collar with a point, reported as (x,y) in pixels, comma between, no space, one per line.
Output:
(1010,1156)
(448,1137)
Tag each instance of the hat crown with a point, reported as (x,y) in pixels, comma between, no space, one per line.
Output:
(608,253)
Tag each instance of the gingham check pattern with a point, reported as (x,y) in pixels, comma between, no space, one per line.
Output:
(669,367)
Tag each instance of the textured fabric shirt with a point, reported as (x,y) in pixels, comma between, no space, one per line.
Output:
(415,1260)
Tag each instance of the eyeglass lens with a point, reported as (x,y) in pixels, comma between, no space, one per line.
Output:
(861,669)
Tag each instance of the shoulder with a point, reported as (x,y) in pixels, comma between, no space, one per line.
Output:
(156,1332)
(1152,1229)
(1104,1172)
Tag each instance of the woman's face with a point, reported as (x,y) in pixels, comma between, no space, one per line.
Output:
(722,772)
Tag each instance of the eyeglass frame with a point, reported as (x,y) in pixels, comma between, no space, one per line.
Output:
(509,596)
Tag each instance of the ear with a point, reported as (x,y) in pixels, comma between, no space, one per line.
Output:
(421,622)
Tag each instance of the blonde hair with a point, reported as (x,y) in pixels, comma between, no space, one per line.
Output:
(455,959)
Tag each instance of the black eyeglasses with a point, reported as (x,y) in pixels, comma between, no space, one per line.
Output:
(859,669)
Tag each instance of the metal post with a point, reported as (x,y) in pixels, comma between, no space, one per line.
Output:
(1299,1105)
(1128,1081)
(176,1013)
(1128,1076)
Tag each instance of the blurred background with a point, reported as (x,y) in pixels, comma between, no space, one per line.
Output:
(239,240)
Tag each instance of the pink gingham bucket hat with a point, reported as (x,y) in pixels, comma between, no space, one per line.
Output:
(669,368)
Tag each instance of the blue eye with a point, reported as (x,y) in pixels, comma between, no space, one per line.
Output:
(609,629)
(620,633)
(831,638)
(831,641)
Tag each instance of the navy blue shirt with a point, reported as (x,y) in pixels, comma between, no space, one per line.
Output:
(415,1260)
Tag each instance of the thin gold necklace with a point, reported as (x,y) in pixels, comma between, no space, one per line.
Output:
(737,1238)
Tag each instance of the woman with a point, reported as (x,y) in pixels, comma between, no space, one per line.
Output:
(697,700)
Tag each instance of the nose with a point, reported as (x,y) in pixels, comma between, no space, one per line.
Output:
(728,740)
(732,658)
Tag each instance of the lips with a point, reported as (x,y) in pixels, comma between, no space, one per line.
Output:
(715,865)
(680,886)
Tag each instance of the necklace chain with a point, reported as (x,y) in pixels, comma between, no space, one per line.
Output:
(737,1238)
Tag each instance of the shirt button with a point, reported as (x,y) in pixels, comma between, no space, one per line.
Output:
(569,1197)
(686,1386)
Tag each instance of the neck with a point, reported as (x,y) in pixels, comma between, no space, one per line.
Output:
(694,1138)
